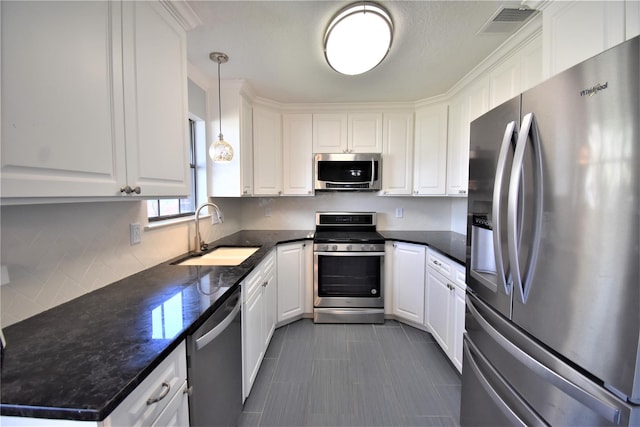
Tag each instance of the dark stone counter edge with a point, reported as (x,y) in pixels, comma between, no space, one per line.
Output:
(89,414)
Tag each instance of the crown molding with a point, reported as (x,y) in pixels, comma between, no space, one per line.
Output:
(183,13)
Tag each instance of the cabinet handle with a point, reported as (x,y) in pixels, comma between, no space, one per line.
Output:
(264,284)
(165,390)
(188,391)
(129,190)
(462,191)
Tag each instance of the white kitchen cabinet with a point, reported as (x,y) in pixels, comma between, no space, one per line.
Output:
(235,178)
(259,295)
(167,386)
(267,151)
(577,30)
(347,132)
(445,304)
(458,148)
(397,153)
(292,281)
(408,281)
(430,151)
(106,112)
(632,17)
(297,154)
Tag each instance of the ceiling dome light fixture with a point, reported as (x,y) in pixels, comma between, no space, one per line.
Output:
(358,38)
(221,151)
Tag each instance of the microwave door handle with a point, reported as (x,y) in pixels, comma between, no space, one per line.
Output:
(373,165)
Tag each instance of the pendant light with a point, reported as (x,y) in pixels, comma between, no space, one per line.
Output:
(358,38)
(221,151)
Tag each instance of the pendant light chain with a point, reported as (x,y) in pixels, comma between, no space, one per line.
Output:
(219,102)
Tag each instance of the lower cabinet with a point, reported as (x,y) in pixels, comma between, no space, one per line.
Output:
(445,303)
(292,281)
(408,267)
(161,399)
(259,296)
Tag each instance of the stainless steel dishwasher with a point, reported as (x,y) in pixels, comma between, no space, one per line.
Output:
(214,370)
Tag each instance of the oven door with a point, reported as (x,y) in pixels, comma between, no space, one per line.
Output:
(348,279)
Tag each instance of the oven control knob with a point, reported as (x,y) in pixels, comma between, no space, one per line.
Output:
(372,247)
(349,247)
(334,247)
(373,291)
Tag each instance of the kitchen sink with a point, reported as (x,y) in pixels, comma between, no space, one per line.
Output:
(223,255)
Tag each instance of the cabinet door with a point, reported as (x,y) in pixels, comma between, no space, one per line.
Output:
(458,148)
(597,25)
(291,281)
(364,133)
(330,133)
(267,152)
(246,147)
(253,327)
(271,305)
(438,312)
(397,154)
(297,142)
(430,160)
(62,133)
(155,96)
(408,281)
(457,327)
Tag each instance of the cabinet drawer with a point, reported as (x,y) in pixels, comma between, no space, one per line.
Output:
(252,283)
(154,394)
(440,263)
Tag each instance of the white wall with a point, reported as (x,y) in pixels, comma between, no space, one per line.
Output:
(57,252)
(419,213)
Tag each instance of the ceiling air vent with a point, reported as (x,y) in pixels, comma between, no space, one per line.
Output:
(507,20)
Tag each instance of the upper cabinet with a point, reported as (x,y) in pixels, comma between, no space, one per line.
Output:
(267,151)
(297,156)
(235,178)
(430,151)
(577,30)
(347,133)
(98,108)
(397,153)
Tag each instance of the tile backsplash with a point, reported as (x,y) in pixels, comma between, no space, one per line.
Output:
(54,253)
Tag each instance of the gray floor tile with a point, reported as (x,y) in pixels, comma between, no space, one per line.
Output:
(258,396)
(286,405)
(359,332)
(415,334)
(249,419)
(366,362)
(336,399)
(395,344)
(331,371)
(353,375)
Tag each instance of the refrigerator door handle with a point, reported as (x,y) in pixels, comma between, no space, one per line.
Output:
(523,284)
(504,407)
(510,135)
(596,404)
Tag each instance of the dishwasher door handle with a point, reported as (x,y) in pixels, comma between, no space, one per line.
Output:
(220,327)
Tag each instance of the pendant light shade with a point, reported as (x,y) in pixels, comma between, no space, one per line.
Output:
(358,38)
(220,151)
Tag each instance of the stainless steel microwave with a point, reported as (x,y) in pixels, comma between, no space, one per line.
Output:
(348,172)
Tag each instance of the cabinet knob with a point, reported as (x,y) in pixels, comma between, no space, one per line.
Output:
(129,190)
(462,191)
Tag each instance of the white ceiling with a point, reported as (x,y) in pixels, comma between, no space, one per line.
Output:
(277,47)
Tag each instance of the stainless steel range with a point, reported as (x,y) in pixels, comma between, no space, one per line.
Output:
(348,268)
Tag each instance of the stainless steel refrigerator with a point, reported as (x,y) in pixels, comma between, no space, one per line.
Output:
(553,302)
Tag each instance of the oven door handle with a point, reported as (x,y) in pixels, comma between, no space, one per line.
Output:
(349,253)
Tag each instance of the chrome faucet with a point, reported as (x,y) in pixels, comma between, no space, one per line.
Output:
(201,246)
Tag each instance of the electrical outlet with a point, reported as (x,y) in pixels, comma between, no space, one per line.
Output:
(399,212)
(134,233)
(5,275)
(215,218)
(267,210)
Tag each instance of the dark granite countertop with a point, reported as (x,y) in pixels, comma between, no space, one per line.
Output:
(79,360)
(452,244)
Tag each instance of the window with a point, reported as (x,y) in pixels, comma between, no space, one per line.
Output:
(162,209)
